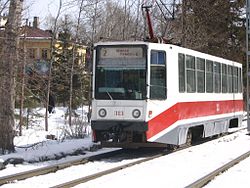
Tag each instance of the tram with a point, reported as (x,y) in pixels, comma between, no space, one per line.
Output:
(154,94)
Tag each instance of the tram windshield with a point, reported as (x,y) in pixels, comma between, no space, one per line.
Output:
(120,73)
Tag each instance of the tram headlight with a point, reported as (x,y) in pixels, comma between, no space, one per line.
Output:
(136,113)
(102,112)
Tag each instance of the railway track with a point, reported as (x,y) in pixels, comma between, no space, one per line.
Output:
(105,172)
(83,160)
(199,183)
(56,167)
(115,154)
(207,178)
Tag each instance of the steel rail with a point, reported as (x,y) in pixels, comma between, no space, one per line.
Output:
(82,160)
(55,167)
(105,172)
(115,169)
(205,179)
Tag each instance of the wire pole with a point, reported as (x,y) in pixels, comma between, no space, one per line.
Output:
(247,59)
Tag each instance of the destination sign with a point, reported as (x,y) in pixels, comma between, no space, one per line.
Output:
(121,52)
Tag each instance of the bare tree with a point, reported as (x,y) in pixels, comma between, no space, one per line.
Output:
(73,62)
(7,75)
(23,64)
(53,40)
(114,21)
(3,6)
(138,13)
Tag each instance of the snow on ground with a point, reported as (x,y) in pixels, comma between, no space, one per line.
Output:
(176,170)
(237,176)
(33,146)
(181,168)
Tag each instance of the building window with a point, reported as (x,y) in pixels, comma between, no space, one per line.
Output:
(45,53)
(32,53)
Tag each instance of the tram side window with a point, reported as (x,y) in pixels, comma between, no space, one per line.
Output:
(190,71)
(230,79)
(224,78)
(200,75)
(217,77)
(209,76)
(235,80)
(181,63)
(158,75)
(239,81)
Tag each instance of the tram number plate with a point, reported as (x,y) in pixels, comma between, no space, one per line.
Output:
(119,113)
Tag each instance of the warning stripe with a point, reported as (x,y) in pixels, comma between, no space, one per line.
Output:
(187,110)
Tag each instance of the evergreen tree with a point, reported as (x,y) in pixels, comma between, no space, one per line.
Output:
(215,27)
(62,70)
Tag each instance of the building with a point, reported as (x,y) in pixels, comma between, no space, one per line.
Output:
(36,44)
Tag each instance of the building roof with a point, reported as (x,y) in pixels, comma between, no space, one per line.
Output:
(32,32)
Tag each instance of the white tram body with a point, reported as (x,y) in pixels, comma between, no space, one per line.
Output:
(170,92)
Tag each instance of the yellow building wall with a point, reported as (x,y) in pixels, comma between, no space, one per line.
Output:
(38,45)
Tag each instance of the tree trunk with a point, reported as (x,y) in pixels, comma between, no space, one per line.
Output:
(71,86)
(52,48)
(183,37)
(74,50)
(7,76)
(23,64)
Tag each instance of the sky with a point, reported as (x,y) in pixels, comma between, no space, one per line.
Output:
(175,170)
(41,9)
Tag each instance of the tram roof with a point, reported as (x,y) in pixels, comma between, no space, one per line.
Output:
(172,46)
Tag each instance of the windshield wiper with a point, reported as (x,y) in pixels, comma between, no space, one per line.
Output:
(111,98)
